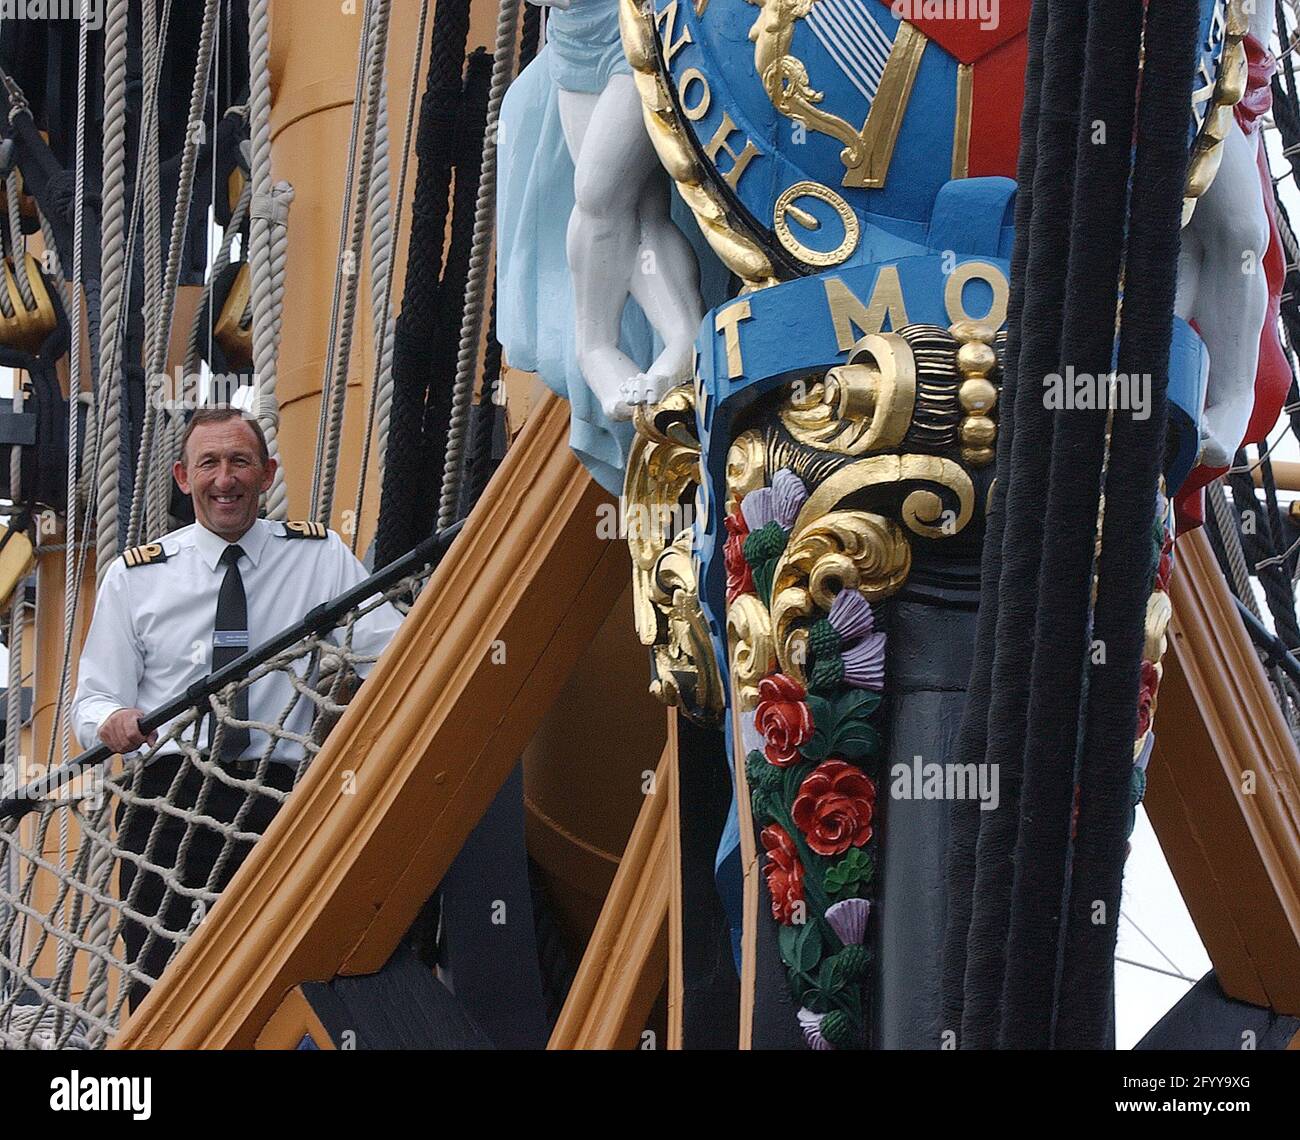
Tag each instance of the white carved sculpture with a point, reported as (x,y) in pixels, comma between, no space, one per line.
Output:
(1221,281)
(621,239)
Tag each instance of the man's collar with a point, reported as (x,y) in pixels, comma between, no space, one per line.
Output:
(211,545)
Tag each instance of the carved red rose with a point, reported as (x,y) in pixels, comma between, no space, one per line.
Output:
(740,578)
(783,718)
(834,807)
(783,871)
(1166,563)
(1147,696)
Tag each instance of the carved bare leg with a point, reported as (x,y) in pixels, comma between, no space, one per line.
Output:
(665,284)
(1230,294)
(612,163)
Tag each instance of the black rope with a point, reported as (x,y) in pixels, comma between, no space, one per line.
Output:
(406,478)
(1084,1017)
(480,454)
(1061,645)
(444,348)
(1040,354)
(973,734)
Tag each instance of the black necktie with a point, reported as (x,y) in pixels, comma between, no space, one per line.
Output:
(230,640)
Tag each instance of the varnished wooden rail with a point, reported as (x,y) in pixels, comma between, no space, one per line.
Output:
(626,961)
(1224,790)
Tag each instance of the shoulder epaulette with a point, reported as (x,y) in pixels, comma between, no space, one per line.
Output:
(145,555)
(305,530)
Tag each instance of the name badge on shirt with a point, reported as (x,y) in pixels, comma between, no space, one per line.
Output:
(230,639)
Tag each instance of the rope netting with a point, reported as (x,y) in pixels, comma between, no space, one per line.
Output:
(107,867)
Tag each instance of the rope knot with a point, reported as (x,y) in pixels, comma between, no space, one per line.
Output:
(273,207)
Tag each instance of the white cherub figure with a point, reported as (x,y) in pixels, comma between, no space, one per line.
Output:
(620,239)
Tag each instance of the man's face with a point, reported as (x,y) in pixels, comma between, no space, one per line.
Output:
(223,472)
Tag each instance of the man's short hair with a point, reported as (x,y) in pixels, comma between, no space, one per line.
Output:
(221,415)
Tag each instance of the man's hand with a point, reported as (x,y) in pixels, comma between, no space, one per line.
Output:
(121,731)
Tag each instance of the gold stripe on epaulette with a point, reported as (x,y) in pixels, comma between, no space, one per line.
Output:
(305,530)
(145,555)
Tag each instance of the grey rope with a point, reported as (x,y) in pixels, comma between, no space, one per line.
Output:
(162,325)
(113,261)
(17,242)
(373,54)
(476,282)
(267,242)
(1226,519)
(384,229)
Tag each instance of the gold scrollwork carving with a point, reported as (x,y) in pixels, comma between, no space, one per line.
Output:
(1229,87)
(687,674)
(841,550)
(753,651)
(923,511)
(663,471)
(862,406)
(746,467)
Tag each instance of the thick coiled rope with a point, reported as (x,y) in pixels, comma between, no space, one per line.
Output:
(267,244)
(503,57)
(113,262)
(156,360)
(373,55)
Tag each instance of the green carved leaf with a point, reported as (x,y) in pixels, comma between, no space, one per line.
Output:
(841,726)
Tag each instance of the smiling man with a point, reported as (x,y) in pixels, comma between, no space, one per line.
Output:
(171,612)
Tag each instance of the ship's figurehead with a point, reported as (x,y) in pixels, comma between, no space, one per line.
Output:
(806,514)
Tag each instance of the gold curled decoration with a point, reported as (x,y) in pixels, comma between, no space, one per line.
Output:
(923,511)
(746,467)
(753,651)
(867,151)
(727,236)
(785,208)
(663,472)
(842,550)
(1229,87)
(687,675)
(862,406)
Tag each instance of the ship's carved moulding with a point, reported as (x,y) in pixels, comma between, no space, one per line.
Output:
(829,480)
(659,497)
(842,425)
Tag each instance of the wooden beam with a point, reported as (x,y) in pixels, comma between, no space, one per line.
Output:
(626,960)
(1224,790)
(676,964)
(1286,474)
(413,763)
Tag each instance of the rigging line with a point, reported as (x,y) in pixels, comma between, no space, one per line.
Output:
(97,409)
(1249,467)
(1173,965)
(267,247)
(118,262)
(370,67)
(162,324)
(1154,969)
(381,392)
(503,56)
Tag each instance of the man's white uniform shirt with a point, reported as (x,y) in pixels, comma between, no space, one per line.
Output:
(151,635)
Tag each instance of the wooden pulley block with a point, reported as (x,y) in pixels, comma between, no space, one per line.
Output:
(232,331)
(28,328)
